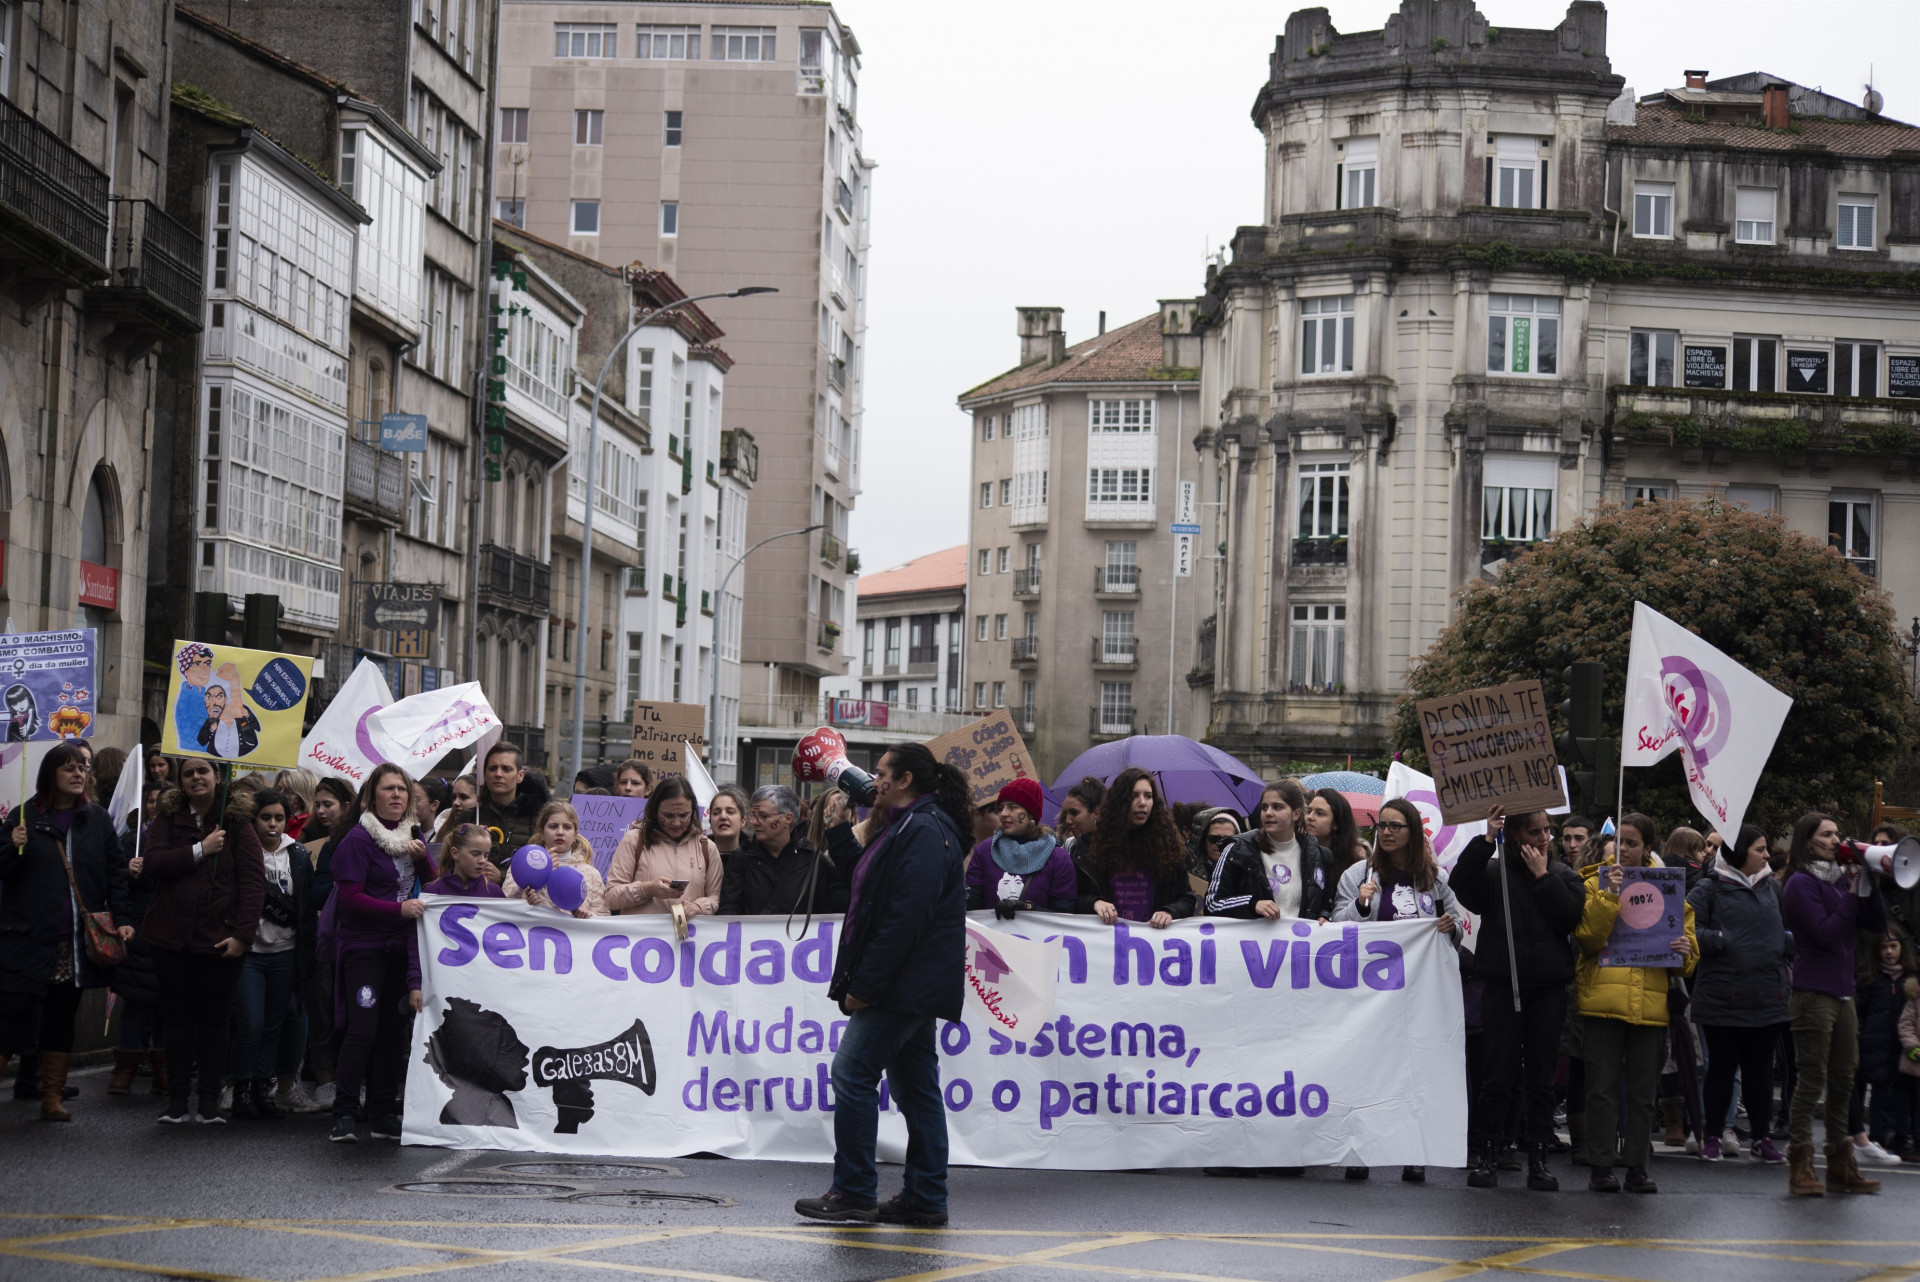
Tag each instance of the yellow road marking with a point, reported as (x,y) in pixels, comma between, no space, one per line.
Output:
(131,1266)
(1504,1261)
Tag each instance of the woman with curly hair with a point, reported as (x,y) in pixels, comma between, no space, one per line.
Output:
(1133,865)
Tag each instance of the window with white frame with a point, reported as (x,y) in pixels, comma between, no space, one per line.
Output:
(1005,557)
(1326,335)
(1638,492)
(1323,501)
(1119,485)
(986,494)
(743,44)
(1856,369)
(986,560)
(1650,358)
(1120,416)
(1122,565)
(674,44)
(669,218)
(1029,491)
(588,127)
(980,692)
(1116,707)
(892,652)
(1850,528)
(1006,492)
(986,427)
(1358,174)
(1028,423)
(512,212)
(1317,664)
(980,627)
(672,128)
(1116,636)
(586,218)
(1755,363)
(584,40)
(1855,225)
(999,627)
(391,250)
(1518,173)
(1653,210)
(1517,499)
(1523,334)
(1753,211)
(513,124)
(999,694)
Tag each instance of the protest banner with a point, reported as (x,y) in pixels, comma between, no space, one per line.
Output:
(1216,1042)
(1489,746)
(422,728)
(48,680)
(1652,915)
(988,752)
(229,704)
(341,743)
(661,732)
(604,821)
(1686,695)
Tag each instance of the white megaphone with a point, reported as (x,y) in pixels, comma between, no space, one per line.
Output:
(1900,861)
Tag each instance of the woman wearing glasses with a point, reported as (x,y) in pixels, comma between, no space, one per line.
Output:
(1399,879)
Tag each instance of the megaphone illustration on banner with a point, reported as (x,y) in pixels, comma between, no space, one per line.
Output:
(1900,861)
(821,757)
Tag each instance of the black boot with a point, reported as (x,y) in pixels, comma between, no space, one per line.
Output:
(263,1106)
(26,1076)
(1486,1168)
(1539,1178)
(243,1109)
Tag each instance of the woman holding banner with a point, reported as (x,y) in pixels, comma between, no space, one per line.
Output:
(1277,870)
(1133,865)
(1624,1019)
(668,861)
(1824,904)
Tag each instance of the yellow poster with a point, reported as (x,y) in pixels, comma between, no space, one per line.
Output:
(240,706)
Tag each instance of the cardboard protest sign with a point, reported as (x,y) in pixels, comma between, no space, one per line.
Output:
(661,731)
(46,683)
(1490,745)
(989,752)
(604,821)
(1652,915)
(229,704)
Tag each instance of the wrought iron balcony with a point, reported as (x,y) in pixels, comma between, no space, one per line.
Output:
(53,202)
(1110,723)
(1320,551)
(829,635)
(843,196)
(1026,582)
(1116,580)
(830,548)
(1025,651)
(517,582)
(1023,717)
(376,482)
(155,254)
(1116,651)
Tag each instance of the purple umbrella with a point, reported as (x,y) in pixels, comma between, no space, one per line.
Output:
(1188,771)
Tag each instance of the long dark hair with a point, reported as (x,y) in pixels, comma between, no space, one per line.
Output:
(1114,846)
(1344,840)
(49,777)
(363,801)
(948,786)
(1749,833)
(672,788)
(1416,861)
(1800,853)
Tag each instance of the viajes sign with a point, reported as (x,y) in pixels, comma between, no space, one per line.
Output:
(1214,1042)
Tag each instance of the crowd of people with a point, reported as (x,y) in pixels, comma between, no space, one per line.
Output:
(257,934)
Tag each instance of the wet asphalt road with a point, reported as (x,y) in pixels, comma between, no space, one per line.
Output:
(114,1195)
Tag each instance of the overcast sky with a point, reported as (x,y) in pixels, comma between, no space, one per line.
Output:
(1087,155)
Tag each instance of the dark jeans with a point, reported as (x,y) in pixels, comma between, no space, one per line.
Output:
(1518,1057)
(373,1045)
(196,1001)
(259,1011)
(318,999)
(903,1047)
(1617,1050)
(139,1025)
(1748,1052)
(293,1041)
(1894,1104)
(38,1021)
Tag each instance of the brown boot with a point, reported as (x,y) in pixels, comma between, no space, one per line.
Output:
(53,1086)
(125,1065)
(1843,1172)
(1676,1124)
(157,1062)
(1801,1181)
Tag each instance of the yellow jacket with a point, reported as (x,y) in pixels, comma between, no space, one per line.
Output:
(1635,994)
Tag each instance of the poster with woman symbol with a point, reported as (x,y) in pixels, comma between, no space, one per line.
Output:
(229,704)
(46,685)
(1652,915)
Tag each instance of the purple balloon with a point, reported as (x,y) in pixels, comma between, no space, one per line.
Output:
(566,887)
(532,866)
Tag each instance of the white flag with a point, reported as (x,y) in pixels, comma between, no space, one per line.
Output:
(342,742)
(1448,840)
(704,788)
(1011,980)
(1684,694)
(427,726)
(126,793)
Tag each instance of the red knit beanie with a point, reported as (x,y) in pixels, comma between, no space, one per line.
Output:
(1024,793)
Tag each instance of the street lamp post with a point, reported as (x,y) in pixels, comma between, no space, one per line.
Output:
(713,692)
(586,535)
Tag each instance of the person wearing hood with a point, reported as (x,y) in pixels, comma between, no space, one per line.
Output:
(1213,830)
(1624,1017)
(1020,866)
(511,799)
(1740,987)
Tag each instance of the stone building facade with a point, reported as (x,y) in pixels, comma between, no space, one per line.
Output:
(1493,288)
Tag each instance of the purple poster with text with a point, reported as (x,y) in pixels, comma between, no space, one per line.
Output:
(1653,913)
(46,685)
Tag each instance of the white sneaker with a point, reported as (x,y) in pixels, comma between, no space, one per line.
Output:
(1871,1152)
(1693,1144)
(226,1098)
(323,1097)
(1730,1146)
(295,1099)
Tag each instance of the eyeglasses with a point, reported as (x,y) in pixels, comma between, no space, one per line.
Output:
(1390,827)
(1221,840)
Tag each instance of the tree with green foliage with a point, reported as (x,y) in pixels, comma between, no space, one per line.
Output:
(1794,612)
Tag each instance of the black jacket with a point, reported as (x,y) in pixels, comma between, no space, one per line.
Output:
(34,897)
(134,979)
(1545,911)
(1239,879)
(1878,1003)
(754,883)
(1743,976)
(306,912)
(903,944)
(512,823)
(1172,892)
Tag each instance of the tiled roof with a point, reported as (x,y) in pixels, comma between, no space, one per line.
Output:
(934,572)
(1664,123)
(1127,354)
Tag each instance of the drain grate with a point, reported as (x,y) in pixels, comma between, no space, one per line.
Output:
(486,1188)
(650,1198)
(589,1170)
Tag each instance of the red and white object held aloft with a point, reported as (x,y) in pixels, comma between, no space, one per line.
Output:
(1899,861)
(821,757)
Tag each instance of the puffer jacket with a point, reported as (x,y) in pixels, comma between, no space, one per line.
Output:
(1631,994)
(1743,979)
(1878,1003)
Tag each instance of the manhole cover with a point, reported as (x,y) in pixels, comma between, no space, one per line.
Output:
(486,1188)
(647,1197)
(589,1170)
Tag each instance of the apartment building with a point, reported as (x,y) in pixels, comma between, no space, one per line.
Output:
(1082,598)
(1493,287)
(720,143)
(96,277)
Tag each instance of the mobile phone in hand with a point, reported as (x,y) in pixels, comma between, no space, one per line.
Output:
(678,885)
